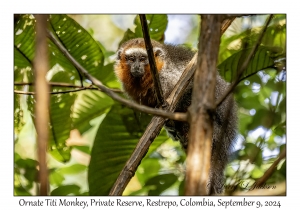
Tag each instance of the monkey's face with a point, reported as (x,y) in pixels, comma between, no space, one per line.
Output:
(136,59)
(133,70)
(132,61)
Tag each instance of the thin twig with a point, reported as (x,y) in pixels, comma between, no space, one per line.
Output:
(157,86)
(59,84)
(128,103)
(53,93)
(246,62)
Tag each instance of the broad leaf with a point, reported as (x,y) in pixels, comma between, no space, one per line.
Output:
(24,44)
(21,66)
(230,68)
(89,105)
(115,140)
(79,43)
(61,125)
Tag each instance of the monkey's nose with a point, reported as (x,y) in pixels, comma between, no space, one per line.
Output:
(137,71)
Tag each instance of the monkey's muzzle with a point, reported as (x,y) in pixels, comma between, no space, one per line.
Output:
(137,70)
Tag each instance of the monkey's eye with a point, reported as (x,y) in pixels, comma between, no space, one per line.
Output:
(131,58)
(142,58)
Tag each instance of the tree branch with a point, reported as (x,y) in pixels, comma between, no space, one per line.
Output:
(203,96)
(54,93)
(41,67)
(157,86)
(246,62)
(128,103)
(57,84)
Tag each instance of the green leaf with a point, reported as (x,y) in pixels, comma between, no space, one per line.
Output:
(257,173)
(24,51)
(19,190)
(231,66)
(79,43)
(22,66)
(157,25)
(73,169)
(249,102)
(61,124)
(181,187)
(89,105)
(66,190)
(253,153)
(24,36)
(147,169)
(27,163)
(56,178)
(115,140)
(161,183)
(244,121)
(24,43)
(127,36)
(84,149)
(282,169)
(108,77)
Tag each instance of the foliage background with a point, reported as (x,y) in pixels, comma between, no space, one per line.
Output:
(92,136)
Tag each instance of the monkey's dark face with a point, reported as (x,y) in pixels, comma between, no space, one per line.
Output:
(136,61)
(133,70)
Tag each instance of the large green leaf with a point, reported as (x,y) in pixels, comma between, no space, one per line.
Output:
(231,66)
(115,140)
(24,36)
(21,66)
(24,40)
(24,43)
(89,105)
(61,125)
(79,43)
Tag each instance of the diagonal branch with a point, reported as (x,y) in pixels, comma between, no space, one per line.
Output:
(157,86)
(113,95)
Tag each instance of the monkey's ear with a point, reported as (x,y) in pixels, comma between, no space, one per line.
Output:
(119,54)
(158,52)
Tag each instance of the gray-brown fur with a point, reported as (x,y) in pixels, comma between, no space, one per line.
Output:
(225,119)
